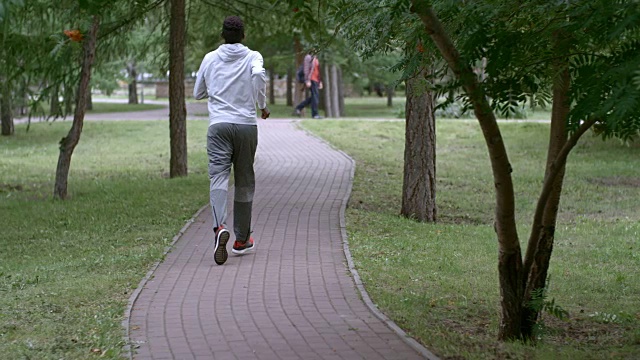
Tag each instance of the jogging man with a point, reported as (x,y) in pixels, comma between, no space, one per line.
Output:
(233,79)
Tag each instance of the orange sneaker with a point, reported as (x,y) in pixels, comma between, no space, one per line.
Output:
(220,254)
(243,247)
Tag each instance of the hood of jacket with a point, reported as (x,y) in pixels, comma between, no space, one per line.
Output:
(232,52)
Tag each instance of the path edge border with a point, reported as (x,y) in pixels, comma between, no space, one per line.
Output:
(413,343)
(128,350)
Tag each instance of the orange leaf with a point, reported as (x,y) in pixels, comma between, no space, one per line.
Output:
(74,35)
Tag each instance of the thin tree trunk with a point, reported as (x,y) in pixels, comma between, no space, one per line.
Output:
(540,246)
(177,106)
(55,110)
(290,76)
(335,92)
(322,106)
(272,87)
(24,98)
(510,258)
(340,92)
(326,91)
(68,100)
(539,250)
(68,143)
(419,185)
(390,91)
(89,101)
(6,112)
(133,83)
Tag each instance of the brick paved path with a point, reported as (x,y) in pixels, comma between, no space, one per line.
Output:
(293,298)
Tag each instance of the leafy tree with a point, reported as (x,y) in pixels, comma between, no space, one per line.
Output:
(69,142)
(576,55)
(381,30)
(112,16)
(582,51)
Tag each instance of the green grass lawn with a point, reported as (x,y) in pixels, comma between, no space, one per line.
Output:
(103,107)
(99,107)
(439,281)
(68,268)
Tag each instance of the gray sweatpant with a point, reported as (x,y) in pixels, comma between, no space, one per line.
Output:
(232,144)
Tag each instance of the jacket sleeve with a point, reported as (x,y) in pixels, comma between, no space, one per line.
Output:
(200,87)
(259,81)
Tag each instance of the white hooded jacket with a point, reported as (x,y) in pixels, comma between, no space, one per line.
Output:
(234,80)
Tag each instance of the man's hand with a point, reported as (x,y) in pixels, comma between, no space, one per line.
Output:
(308,84)
(320,85)
(265,113)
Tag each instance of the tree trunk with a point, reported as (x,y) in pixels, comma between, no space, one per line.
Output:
(419,185)
(290,76)
(335,92)
(24,98)
(272,86)
(133,83)
(89,101)
(538,256)
(177,106)
(390,91)
(326,91)
(510,258)
(68,143)
(55,110)
(6,112)
(68,100)
(340,92)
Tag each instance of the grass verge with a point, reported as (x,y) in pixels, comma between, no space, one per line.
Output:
(67,268)
(104,107)
(439,281)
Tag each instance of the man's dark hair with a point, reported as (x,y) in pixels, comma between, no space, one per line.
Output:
(232,30)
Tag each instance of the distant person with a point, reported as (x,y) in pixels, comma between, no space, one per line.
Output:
(313,82)
(233,78)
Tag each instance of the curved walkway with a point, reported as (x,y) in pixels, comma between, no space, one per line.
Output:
(293,298)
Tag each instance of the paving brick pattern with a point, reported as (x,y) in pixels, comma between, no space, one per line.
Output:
(293,298)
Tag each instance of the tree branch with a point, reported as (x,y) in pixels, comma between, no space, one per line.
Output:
(547,186)
(510,256)
(499,160)
(128,20)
